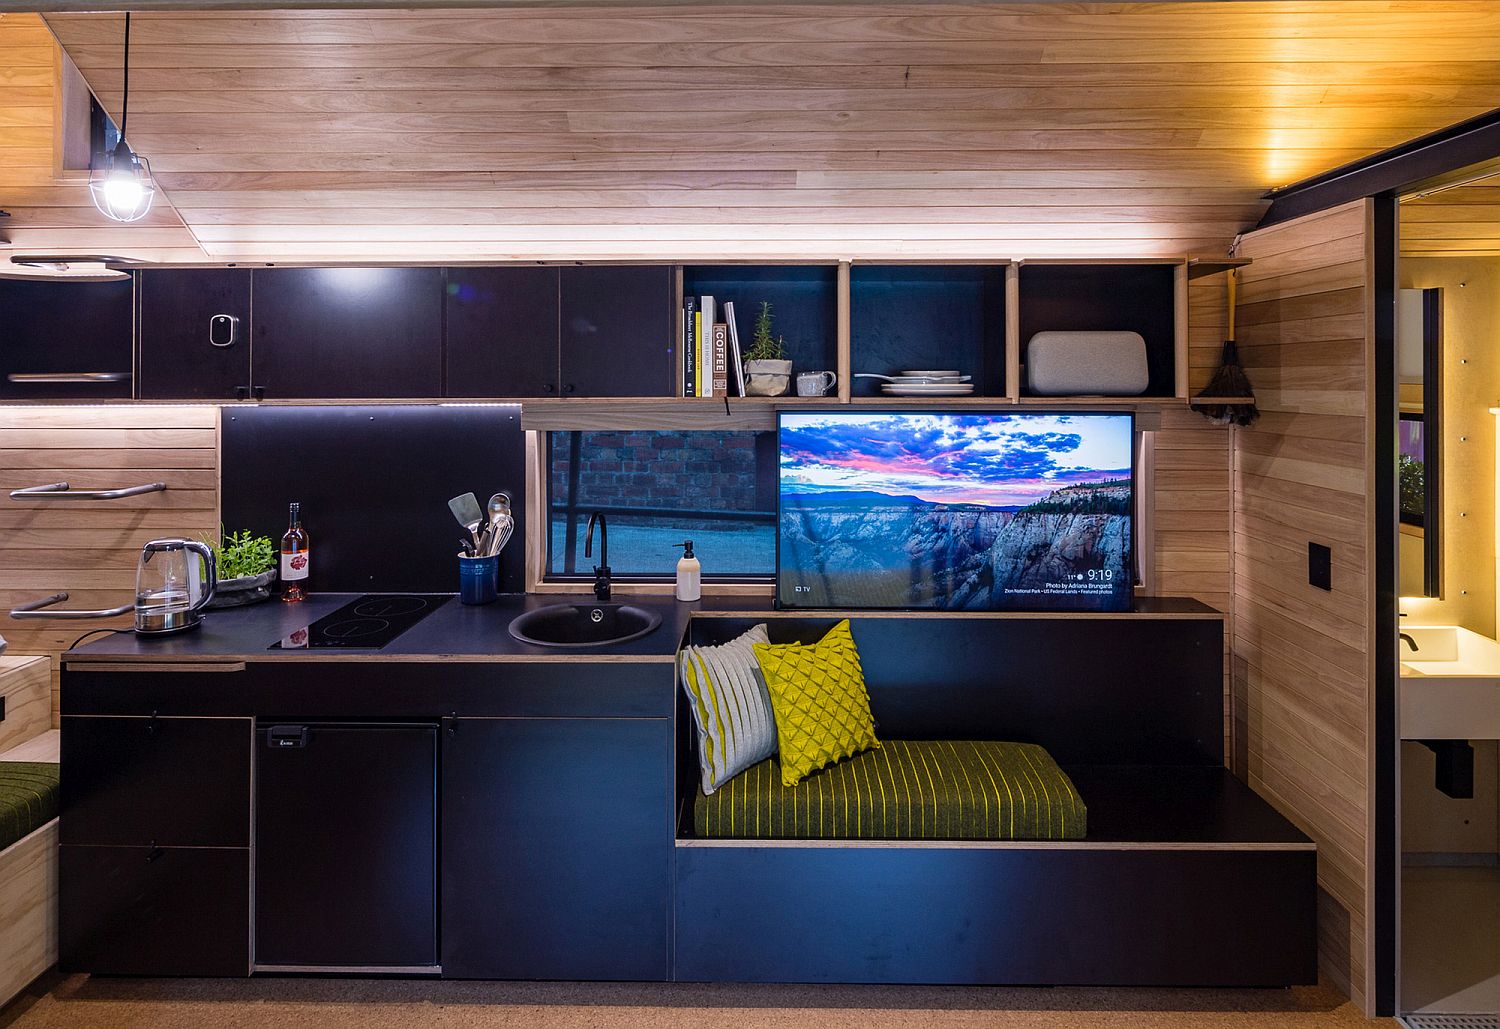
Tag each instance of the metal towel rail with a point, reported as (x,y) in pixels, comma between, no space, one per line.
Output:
(37,609)
(60,491)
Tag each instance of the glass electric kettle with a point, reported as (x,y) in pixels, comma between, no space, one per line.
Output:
(173,584)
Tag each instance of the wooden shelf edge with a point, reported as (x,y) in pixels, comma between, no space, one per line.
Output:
(1201,267)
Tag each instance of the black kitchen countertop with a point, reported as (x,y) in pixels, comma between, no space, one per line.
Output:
(479,633)
(454,632)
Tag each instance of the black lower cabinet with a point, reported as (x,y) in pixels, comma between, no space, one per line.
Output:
(156,781)
(154,911)
(346,846)
(557,839)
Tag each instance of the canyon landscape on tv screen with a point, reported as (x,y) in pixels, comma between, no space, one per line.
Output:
(971,511)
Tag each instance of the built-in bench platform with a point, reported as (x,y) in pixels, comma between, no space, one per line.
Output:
(1185,876)
(28,823)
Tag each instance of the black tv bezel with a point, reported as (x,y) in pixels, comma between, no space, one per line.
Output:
(779,605)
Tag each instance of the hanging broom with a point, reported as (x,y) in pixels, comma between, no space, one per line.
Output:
(1229,381)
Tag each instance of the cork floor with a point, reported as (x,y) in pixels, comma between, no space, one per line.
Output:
(77,1002)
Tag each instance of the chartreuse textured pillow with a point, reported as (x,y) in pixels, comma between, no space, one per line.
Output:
(730,706)
(821,703)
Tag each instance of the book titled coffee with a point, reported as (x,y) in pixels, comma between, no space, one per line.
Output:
(721,360)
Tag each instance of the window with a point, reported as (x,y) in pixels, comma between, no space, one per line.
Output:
(657,489)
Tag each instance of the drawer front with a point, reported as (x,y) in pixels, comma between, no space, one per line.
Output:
(148,911)
(165,782)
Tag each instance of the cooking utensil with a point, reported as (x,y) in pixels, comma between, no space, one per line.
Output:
(466,510)
(502,536)
(501,525)
(499,505)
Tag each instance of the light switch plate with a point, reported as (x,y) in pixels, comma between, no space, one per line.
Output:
(1319,566)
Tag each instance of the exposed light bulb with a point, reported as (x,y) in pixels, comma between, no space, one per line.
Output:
(122,192)
(122,189)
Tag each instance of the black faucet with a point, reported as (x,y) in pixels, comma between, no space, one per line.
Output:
(1407,637)
(601,570)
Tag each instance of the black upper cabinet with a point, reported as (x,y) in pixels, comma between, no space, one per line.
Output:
(542,332)
(617,331)
(348,333)
(77,332)
(195,333)
(502,332)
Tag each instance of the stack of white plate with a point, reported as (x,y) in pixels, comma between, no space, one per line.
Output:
(927,383)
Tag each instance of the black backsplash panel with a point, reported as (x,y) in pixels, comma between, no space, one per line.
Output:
(374,484)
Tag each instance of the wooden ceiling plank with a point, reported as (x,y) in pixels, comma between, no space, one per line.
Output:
(1371,101)
(1116,205)
(1392,49)
(105,76)
(663,118)
(749,25)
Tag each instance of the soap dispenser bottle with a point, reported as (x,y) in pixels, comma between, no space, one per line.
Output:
(689,573)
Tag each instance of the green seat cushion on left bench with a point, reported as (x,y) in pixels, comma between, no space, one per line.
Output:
(28,798)
(935,790)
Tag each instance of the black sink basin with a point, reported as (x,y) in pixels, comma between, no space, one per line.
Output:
(583,625)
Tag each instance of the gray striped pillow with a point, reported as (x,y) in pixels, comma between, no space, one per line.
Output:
(731,707)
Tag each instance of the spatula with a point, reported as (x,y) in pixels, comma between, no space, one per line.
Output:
(466,510)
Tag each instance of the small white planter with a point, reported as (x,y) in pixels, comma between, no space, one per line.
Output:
(768,378)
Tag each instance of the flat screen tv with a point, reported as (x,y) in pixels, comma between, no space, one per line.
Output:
(1025,511)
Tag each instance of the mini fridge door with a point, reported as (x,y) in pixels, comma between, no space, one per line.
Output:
(346,847)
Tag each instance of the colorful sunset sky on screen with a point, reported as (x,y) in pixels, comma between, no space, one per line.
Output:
(994,460)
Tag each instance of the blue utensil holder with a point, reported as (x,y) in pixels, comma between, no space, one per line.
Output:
(478,579)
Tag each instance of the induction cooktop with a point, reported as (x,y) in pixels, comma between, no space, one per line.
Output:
(369,623)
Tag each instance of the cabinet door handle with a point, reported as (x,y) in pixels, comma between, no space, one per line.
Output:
(223,330)
(569,388)
(259,392)
(242,392)
(41,377)
(548,387)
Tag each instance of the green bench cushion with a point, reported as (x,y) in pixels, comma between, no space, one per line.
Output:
(904,790)
(28,798)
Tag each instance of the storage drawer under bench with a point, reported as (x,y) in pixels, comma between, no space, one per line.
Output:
(1017,913)
(1186,877)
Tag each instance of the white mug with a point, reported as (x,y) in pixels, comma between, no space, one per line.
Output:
(815,384)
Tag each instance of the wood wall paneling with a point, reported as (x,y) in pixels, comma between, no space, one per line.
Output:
(1300,665)
(915,130)
(50,210)
(90,549)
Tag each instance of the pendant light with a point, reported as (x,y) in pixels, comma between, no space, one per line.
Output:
(122,186)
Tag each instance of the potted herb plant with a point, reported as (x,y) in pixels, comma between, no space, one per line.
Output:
(246,568)
(767,371)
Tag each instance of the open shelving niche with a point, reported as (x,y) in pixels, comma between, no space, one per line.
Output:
(887,316)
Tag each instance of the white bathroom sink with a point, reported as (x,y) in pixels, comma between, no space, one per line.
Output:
(1450,686)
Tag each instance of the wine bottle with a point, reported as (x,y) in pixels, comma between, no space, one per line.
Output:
(294,557)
